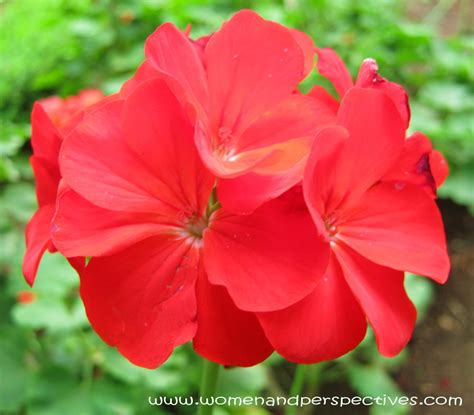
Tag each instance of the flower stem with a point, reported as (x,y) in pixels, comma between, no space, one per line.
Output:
(209,380)
(296,387)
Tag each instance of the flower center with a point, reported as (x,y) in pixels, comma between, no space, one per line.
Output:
(226,144)
(195,226)
(331,222)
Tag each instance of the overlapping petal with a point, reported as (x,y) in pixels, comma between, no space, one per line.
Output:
(368,77)
(145,72)
(323,326)
(45,137)
(51,120)
(226,334)
(332,67)
(413,164)
(110,162)
(251,64)
(142,300)
(296,117)
(307,46)
(84,229)
(243,194)
(398,225)
(375,128)
(267,260)
(47,177)
(37,241)
(169,51)
(382,296)
(97,163)
(342,165)
(157,129)
(439,167)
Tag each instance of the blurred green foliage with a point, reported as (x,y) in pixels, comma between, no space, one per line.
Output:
(51,362)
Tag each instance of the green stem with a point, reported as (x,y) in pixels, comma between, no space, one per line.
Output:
(314,381)
(296,387)
(314,378)
(209,380)
(213,203)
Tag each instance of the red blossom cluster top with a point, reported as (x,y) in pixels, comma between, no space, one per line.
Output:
(219,204)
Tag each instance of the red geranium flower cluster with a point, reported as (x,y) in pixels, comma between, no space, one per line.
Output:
(221,205)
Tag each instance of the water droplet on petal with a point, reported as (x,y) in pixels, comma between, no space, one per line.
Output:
(399,185)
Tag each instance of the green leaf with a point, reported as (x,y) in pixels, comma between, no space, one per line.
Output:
(15,379)
(238,381)
(459,187)
(50,314)
(375,382)
(447,96)
(421,292)
(56,277)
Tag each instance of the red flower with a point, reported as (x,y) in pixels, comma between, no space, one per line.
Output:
(51,120)
(253,130)
(166,267)
(376,228)
(423,163)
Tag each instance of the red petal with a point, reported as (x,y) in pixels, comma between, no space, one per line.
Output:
(172,53)
(376,135)
(244,194)
(398,225)
(325,98)
(323,326)
(297,116)
(225,334)
(38,238)
(47,178)
(368,77)
(98,162)
(413,164)
(251,64)
(142,301)
(383,298)
(274,159)
(45,138)
(275,252)
(81,228)
(439,167)
(307,46)
(332,67)
(321,189)
(345,162)
(158,130)
(145,72)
